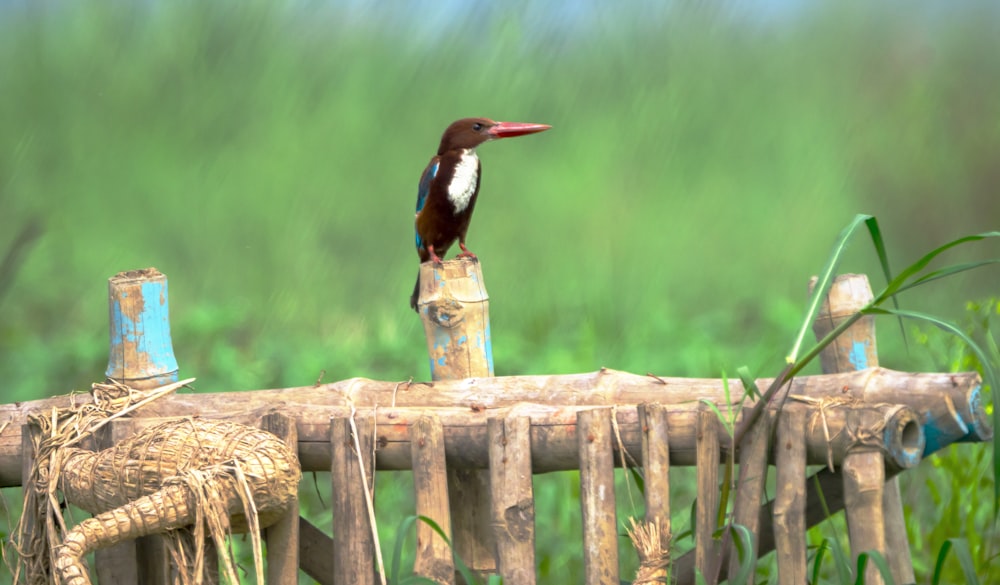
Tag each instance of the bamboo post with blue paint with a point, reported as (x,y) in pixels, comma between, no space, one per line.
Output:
(854,350)
(141,353)
(455,310)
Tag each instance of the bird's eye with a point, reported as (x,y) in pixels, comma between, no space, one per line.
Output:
(477,126)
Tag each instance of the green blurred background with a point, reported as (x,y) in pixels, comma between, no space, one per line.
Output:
(265,155)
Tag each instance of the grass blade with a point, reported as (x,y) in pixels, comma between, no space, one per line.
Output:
(459,564)
(894,285)
(824,280)
(880,563)
(841,563)
(961,547)
(397,550)
(818,560)
(746,552)
(947,271)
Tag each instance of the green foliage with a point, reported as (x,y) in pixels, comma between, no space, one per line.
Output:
(264,155)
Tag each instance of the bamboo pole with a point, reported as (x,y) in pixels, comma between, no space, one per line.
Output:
(707,508)
(455,310)
(864,482)
(854,350)
(946,404)
(118,563)
(315,559)
(282,537)
(790,497)
(597,497)
(653,423)
(513,503)
(750,488)
(430,485)
(353,544)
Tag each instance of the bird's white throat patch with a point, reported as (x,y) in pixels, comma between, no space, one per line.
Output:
(463,182)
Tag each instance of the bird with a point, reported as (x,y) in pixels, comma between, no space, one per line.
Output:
(449,187)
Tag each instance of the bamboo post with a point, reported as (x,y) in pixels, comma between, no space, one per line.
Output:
(597,496)
(864,480)
(117,564)
(141,353)
(31,527)
(282,537)
(455,310)
(353,544)
(656,466)
(512,496)
(856,349)
(707,508)
(750,487)
(430,483)
(790,497)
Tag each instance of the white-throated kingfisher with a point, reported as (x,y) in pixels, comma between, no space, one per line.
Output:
(450,185)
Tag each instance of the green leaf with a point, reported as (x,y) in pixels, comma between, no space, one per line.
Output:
(880,563)
(397,550)
(818,560)
(749,382)
(459,564)
(840,562)
(961,548)
(948,271)
(745,551)
(896,283)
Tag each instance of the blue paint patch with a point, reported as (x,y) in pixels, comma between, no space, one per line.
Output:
(488,345)
(859,355)
(461,341)
(148,332)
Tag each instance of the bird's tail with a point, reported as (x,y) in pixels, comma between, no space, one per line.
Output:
(416,293)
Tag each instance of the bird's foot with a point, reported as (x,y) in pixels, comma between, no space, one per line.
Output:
(465,252)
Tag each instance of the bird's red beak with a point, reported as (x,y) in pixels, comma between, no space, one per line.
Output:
(511,129)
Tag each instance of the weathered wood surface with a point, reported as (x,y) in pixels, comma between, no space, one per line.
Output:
(430,484)
(656,467)
(353,543)
(550,401)
(597,497)
(864,483)
(513,503)
(750,487)
(282,537)
(790,498)
(706,546)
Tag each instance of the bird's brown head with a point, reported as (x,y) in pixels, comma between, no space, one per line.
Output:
(471,132)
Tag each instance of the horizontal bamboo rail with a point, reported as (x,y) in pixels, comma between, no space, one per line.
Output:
(949,407)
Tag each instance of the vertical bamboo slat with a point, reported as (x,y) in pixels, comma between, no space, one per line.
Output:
(597,496)
(656,466)
(430,482)
(455,310)
(282,537)
(856,349)
(116,564)
(707,509)
(353,544)
(513,503)
(750,487)
(790,497)
(864,482)
(315,559)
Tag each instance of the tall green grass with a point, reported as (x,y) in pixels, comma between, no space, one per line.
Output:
(265,157)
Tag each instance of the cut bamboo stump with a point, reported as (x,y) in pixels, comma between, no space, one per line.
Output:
(141,354)
(597,496)
(856,349)
(455,310)
(513,503)
(430,483)
(353,542)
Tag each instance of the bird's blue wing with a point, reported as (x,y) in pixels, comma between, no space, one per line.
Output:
(425,187)
(425,184)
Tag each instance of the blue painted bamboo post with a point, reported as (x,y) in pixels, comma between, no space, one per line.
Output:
(141,353)
(455,310)
(855,350)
